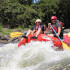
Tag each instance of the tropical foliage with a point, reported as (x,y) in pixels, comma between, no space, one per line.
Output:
(23,13)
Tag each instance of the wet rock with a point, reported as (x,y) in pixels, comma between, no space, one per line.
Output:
(5,37)
(66,30)
(3,41)
(14,39)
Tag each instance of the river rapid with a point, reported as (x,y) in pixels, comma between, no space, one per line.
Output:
(33,56)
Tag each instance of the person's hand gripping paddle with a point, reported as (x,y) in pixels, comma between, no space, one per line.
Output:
(65,46)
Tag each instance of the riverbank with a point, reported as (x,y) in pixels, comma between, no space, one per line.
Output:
(5,35)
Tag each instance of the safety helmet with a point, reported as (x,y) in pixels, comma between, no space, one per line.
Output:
(53,17)
(39,20)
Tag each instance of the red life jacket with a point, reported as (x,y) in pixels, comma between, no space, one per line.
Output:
(38,28)
(55,28)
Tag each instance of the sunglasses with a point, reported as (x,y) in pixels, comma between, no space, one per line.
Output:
(37,22)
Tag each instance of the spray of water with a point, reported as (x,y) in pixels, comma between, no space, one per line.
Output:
(32,56)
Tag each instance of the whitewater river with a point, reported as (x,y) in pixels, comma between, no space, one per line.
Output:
(33,56)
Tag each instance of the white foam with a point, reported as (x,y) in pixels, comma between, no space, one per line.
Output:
(32,56)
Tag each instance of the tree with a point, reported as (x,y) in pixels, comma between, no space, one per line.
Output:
(45,9)
(64,12)
(25,2)
(24,13)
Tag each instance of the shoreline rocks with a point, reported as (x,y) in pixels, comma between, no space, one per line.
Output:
(4,39)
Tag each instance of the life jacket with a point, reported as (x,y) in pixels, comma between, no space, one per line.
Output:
(38,28)
(55,28)
(61,24)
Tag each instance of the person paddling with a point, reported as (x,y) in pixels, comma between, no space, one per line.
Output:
(37,29)
(57,27)
(33,32)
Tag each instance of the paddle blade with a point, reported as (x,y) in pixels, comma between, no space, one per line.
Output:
(65,46)
(15,34)
(69,34)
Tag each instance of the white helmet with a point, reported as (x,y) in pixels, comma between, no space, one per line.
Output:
(39,20)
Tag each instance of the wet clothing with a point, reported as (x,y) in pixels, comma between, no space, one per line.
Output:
(37,27)
(42,28)
(34,37)
(55,26)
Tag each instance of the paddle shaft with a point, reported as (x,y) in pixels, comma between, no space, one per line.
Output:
(55,32)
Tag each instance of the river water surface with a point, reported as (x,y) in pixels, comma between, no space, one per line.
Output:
(33,56)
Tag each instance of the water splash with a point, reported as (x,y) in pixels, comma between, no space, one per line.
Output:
(32,56)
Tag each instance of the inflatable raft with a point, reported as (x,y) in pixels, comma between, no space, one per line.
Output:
(43,37)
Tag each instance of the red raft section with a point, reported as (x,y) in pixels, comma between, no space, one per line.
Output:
(41,37)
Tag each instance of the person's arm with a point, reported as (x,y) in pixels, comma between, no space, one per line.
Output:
(38,32)
(59,28)
(59,31)
(29,32)
(49,28)
(33,32)
(45,31)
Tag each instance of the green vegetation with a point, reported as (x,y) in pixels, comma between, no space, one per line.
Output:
(1,27)
(7,32)
(22,13)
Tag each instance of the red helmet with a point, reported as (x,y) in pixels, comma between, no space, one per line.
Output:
(53,17)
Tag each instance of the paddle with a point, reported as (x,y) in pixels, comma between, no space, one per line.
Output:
(15,34)
(69,34)
(65,46)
